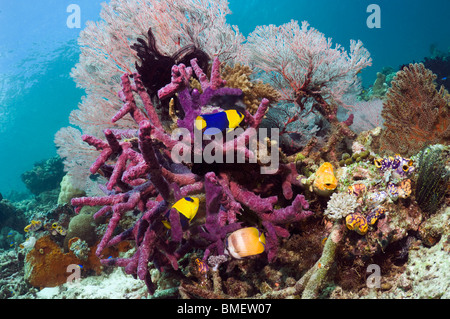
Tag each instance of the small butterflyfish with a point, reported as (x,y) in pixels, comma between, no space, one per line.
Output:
(245,242)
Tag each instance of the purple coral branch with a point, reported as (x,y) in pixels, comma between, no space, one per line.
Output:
(151,112)
(251,200)
(291,177)
(154,168)
(180,80)
(215,232)
(293,213)
(202,78)
(129,106)
(126,95)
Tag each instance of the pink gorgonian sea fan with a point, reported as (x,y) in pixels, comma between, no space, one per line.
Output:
(107,53)
(301,62)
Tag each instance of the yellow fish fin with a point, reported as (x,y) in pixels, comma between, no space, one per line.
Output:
(234,118)
(200,123)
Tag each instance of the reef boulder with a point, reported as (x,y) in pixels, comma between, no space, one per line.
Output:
(83,227)
(45,175)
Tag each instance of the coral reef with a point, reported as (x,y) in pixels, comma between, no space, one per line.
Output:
(82,227)
(300,215)
(45,175)
(68,191)
(380,87)
(239,76)
(425,272)
(416,112)
(11,217)
(12,283)
(439,64)
(367,115)
(136,190)
(116,285)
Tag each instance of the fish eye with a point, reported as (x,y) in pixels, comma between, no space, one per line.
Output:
(405,168)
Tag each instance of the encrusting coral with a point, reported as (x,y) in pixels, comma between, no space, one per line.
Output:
(47,266)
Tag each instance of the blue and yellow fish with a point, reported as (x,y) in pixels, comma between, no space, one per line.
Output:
(211,124)
(187,207)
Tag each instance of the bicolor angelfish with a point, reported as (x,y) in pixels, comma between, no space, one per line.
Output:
(211,124)
(187,207)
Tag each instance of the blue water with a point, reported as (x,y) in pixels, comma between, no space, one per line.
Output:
(37,51)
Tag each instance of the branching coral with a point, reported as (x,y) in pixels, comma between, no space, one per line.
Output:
(143,177)
(160,51)
(239,76)
(415,112)
(340,205)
